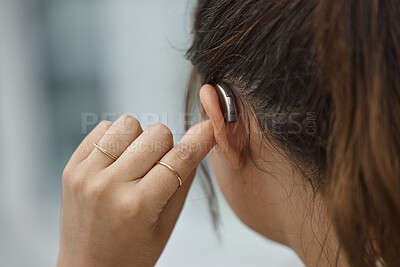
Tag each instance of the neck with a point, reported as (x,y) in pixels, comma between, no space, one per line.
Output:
(312,235)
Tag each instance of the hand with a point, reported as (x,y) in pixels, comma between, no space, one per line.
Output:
(122,212)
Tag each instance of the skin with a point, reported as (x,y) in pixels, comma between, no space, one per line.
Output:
(122,212)
(275,201)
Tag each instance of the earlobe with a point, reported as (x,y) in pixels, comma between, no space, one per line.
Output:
(213,107)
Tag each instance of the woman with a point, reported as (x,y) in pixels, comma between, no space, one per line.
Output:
(312,163)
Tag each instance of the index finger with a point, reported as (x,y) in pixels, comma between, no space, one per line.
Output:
(160,183)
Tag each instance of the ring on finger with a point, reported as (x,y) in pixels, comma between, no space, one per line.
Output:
(106,152)
(172,170)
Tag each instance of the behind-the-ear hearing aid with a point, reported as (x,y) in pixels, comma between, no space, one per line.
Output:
(227,100)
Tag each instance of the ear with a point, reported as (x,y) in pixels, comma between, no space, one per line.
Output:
(211,103)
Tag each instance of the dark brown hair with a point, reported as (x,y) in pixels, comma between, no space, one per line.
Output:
(336,61)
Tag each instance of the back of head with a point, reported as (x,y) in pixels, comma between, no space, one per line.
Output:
(359,47)
(335,60)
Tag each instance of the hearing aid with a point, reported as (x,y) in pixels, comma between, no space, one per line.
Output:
(227,101)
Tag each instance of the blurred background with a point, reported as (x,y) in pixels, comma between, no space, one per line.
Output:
(64,66)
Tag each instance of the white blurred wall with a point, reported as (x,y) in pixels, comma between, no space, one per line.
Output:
(62,58)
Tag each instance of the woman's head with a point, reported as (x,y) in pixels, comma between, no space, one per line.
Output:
(319,90)
(265,50)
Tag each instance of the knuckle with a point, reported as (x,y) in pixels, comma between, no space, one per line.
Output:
(96,190)
(164,133)
(129,124)
(112,142)
(131,207)
(184,154)
(104,124)
(126,116)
